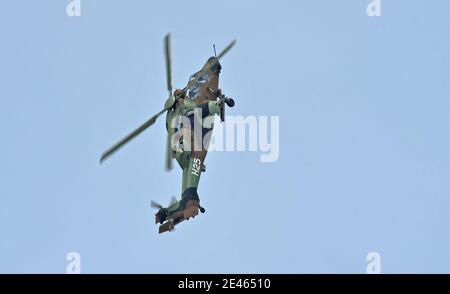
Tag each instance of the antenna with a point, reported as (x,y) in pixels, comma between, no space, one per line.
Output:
(215,54)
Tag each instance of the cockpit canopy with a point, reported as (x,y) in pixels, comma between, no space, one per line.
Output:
(201,78)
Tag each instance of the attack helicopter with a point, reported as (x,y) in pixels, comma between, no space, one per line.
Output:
(190,114)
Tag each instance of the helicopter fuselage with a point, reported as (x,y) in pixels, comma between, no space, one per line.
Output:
(191,120)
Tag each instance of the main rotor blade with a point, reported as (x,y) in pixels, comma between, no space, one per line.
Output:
(167,56)
(169,150)
(225,51)
(125,140)
(169,158)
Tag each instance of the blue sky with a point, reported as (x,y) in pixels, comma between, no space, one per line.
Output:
(364,137)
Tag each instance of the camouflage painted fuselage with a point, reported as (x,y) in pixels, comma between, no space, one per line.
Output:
(191,120)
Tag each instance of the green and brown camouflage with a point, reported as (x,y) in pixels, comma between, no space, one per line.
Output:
(189,123)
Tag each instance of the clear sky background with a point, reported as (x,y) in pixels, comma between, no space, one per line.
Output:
(364,110)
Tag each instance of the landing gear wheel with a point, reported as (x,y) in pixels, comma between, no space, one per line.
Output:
(202,210)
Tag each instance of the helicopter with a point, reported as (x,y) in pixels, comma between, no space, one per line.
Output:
(194,105)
